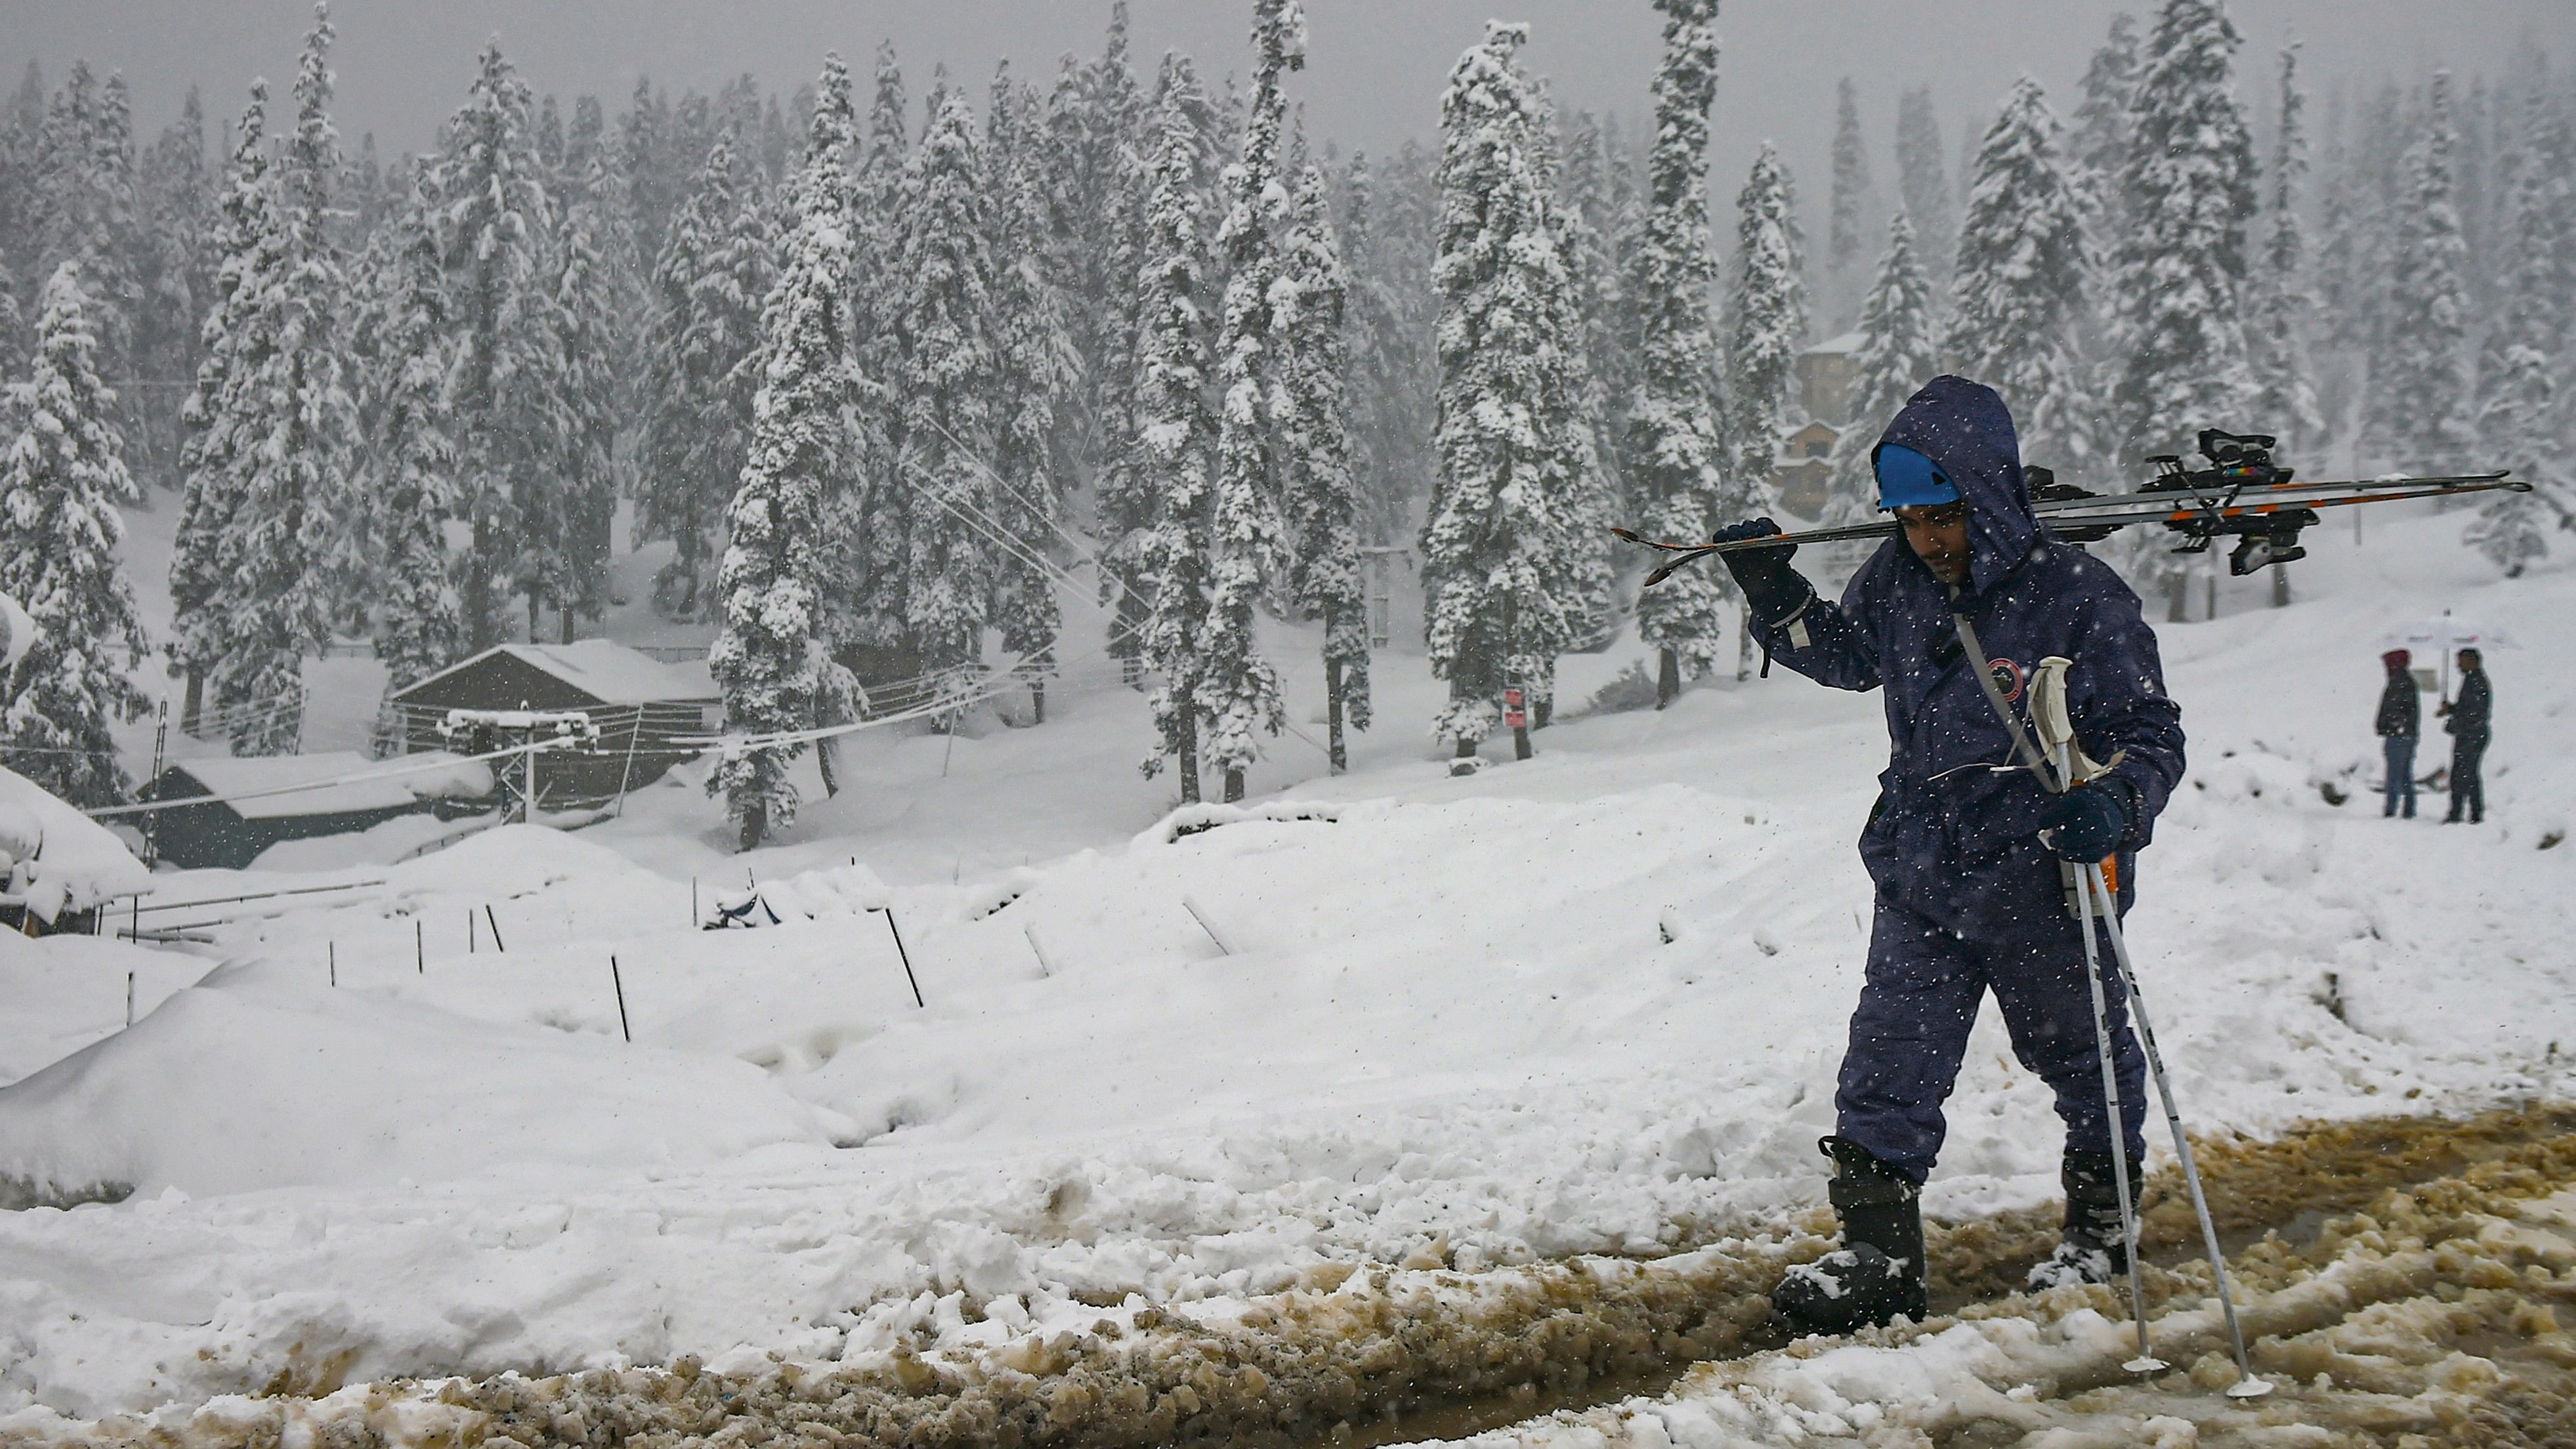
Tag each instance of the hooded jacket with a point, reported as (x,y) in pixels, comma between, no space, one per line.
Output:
(1951,837)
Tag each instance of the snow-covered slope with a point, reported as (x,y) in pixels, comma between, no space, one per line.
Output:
(1588,1002)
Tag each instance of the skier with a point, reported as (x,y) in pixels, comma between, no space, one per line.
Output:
(2467,718)
(2401,718)
(1963,848)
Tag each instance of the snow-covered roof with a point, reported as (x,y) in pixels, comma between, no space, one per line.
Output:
(1848,342)
(328,786)
(78,857)
(603,669)
(229,777)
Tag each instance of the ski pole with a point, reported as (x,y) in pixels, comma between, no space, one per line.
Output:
(2247,1385)
(2146,1362)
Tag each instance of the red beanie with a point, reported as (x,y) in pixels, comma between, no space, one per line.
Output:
(2395,658)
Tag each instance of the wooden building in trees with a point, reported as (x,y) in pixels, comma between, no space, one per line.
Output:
(642,710)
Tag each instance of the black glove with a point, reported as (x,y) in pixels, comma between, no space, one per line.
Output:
(2087,822)
(1770,586)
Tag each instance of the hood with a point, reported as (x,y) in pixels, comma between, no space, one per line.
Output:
(1965,427)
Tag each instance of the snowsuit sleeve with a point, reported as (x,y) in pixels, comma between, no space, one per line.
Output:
(2117,700)
(1826,641)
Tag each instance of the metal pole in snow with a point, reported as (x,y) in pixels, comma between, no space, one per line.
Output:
(618,981)
(1201,917)
(495,923)
(419,952)
(129,998)
(470,929)
(905,955)
(1044,969)
(335,965)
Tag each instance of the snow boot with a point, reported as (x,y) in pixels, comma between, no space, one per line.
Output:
(2093,1249)
(1877,1274)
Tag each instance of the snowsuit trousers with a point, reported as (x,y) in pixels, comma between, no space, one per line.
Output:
(2400,751)
(1910,1032)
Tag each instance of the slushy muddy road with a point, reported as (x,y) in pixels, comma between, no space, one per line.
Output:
(2405,1282)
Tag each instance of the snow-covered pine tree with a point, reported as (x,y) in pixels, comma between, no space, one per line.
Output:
(326,432)
(772,658)
(85,208)
(2019,291)
(1322,496)
(1924,179)
(2536,293)
(249,247)
(2099,139)
(1766,318)
(1176,419)
(1038,371)
(943,315)
(1846,236)
(420,618)
(653,192)
(1390,429)
(871,529)
(508,370)
(2285,399)
(1898,354)
(2180,287)
(22,129)
(2518,423)
(703,327)
(2417,414)
(178,285)
(1676,437)
(1593,247)
(1112,146)
(593,306)
(1515,446)
(1238,689)
(293,423)
(61,484)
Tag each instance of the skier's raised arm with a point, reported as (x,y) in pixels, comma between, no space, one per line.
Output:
(1819,639)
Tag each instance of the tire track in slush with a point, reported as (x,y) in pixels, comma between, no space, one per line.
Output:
(2448,1263)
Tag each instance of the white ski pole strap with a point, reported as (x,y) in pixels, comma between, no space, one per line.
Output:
(2003,707)
(2056,729)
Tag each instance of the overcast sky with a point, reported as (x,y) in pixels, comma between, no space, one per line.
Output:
(1374,69)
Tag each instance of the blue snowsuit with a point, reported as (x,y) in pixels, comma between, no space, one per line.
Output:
(1968,898)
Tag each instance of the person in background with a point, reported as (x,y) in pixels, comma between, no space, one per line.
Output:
(2401,719)
(2468,719)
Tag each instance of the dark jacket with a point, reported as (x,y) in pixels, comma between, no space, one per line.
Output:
(1951,838)
(2401,712)
(2474,707)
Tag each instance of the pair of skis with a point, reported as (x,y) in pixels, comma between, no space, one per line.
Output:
(2270,512)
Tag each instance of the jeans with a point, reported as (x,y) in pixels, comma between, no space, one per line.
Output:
(2401,772)
(2467,790)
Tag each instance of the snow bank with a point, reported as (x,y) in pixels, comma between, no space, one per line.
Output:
(64,992)
(230,1086)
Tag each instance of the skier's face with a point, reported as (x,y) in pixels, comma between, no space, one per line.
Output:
(1939,536)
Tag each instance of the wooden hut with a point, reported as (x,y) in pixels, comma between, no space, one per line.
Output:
(641,709)
(253,803)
